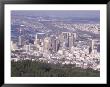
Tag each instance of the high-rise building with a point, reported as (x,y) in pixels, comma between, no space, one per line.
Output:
(55,43)
(72,39)
(93,45)
(13,46)
(39,39)
(90,49)
(21,37)
(19,40)
(27,48)
(68,39)
(65,39)
(47,44)
(35,42)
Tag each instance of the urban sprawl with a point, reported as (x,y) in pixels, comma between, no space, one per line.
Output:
(67,43)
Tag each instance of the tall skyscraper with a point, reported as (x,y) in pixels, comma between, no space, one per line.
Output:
(93,45)
(65,39)
(35,42)
(19,38)
(39,37)
(46,44)
(68,39)
(71,39)
(55,43)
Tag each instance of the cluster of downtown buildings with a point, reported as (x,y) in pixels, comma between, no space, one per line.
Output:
(63,48)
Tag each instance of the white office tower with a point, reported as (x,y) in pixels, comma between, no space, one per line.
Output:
(46,44)
(94,46)
(27,48)
(13,46)
(19,40)
(75,36)
(35,42)
(64,38)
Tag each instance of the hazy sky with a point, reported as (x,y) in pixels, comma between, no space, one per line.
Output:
(60,13)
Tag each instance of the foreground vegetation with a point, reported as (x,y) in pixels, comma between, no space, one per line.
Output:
(28,68)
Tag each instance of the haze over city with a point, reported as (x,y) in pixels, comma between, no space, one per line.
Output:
(66,37)
(60,13)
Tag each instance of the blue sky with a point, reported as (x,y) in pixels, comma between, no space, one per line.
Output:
(61,13)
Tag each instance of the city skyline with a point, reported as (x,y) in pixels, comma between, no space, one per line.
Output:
(54,40)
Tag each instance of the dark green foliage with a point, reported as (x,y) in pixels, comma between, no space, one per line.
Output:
(27,68)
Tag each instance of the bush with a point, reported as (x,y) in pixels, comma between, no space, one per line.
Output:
(27,68)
